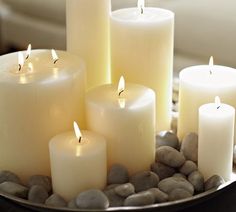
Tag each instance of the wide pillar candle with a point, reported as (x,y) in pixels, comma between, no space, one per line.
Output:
(88,36)
(142,51)
(126,121)
(77,165)
(198,86)
(215,147)
(36,103)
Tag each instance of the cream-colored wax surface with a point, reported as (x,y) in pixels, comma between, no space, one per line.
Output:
(88,36)
(216,133)
(142,51)
(76,166)
(127,122)
(197,87)
(36,103)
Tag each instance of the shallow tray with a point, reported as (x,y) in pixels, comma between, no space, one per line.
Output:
(161,207)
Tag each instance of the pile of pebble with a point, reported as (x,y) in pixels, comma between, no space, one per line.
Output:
(173,176)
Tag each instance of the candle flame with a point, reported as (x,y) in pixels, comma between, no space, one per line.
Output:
(217,102)
(20,60)
(54,56)
(121,85)
(211,64)
(141,5)
(77,132)
(28,52)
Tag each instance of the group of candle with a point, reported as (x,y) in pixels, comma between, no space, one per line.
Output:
(44,93)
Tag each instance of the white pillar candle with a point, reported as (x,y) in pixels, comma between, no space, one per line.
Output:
(37,102)
(127,121)
(198,86)
(142,51)
(88,36)
(216,132)
(78,162)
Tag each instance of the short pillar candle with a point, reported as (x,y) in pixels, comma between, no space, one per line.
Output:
(78,162)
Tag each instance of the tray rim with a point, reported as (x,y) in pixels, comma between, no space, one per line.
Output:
(38,207)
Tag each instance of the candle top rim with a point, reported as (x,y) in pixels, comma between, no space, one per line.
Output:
(66,142)
(43,67)
(135,96)
(151,14)
(200,75)
(211,109)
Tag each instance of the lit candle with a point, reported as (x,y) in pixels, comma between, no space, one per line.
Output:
(78,162)
(126,118)
(38,100)
(216,132)
(198,86)
(88,36)
(142,50)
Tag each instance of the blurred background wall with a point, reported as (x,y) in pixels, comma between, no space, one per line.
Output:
(202,28)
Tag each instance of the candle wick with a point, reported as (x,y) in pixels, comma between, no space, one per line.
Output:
(210,72)
(27,57)
(80,138)
(218,107)
(121,92)
(141,10)
(19,67)
(55,61)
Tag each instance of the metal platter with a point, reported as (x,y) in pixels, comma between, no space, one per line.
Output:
(161,207)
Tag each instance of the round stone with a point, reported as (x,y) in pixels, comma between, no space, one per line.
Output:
(41,180)
(189,147)
(159,195)
(117,174)
(72,204)
(56,200)
(162,170)
(197,180)
(124,190)
(167,138)
(114,199)
(111,186)
(214,182)
(178,194)
(169,156)
(140,199)
(144,180)
(14,189)
(188,167)
(169,184)
(37,194)
(92,199)
(179,175)
(9,176)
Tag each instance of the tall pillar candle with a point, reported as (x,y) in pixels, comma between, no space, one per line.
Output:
(142,51)
(198,86)
(78,163)
(127,121)
(38,99)
(215,147)
(88,36)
